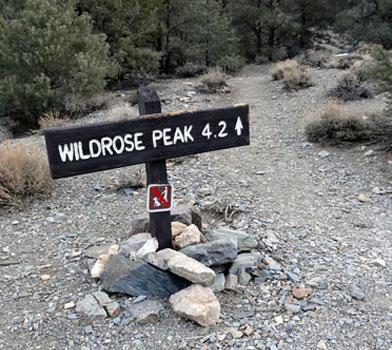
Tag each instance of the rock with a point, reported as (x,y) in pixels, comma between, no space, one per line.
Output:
(235,334)
(292,308)
(90,307)
(369,153)
(112,307)
(293,276)
(185,214)
(245,242)
(219,284)
(378,190)
(244,277)
(379,262)
(133,244)
(301,293)
(96,251)
(177,228)
(155,260)
(323,154)
(139,278)
(356,293)
(191,235)
(214,253)
(244,261)
(147,311)
(231,282)
(188,215)
(99,266)
(362,198)
(191,269)
(150,246)
(196,303)
(321,345)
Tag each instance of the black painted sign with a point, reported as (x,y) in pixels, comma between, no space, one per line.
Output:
(84,149)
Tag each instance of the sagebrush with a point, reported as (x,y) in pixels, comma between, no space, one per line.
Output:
(293,75)
(214,80)
(338,124)
(24,173)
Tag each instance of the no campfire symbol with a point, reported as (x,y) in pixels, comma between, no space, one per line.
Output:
(159,198)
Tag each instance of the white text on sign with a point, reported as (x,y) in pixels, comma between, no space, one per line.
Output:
(128,143)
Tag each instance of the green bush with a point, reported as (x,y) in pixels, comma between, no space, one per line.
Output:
(381,73)
(47,54)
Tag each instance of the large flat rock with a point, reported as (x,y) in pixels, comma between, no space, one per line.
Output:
(139,278)
(245,242)
(214,253)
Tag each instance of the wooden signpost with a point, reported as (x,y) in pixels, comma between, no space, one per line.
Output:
(151,139)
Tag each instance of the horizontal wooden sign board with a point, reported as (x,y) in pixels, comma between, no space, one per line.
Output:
(84,149)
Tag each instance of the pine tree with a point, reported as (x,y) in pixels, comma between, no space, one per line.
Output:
(47,54)
(130,26)
(262,24)
(368,20)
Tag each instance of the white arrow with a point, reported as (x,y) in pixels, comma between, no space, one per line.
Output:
(239,126)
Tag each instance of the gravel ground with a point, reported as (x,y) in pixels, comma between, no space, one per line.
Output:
(301,204)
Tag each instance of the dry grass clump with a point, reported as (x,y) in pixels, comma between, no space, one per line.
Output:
(24,172)
(341,61)
(338,124)
(293,75)
(314,58)
(53,119)
(120,112)
(214,80)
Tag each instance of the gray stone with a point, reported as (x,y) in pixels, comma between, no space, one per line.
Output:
(219,284)
(157,261)
(90,307)
(88,329)
(130,247)
(243,277)
(111,306)
(185,214)
(292,308)
(139,278)
(356,292)
(146,311)
(244,261)
(97,250)
(294,277)
(245,242)
(214,253)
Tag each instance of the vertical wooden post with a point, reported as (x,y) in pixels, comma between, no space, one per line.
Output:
(149,103)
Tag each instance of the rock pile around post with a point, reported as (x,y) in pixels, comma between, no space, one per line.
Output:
(198,266)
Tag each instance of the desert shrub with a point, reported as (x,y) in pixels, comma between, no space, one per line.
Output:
(231,64)
(214,80)
(53,119)
(189,70)
(352,86)
(293,75)
(337,124)
(341,61)
(77,106)
(279,68)
(24,172)
(314,58)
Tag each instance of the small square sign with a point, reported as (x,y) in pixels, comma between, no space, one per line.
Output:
(159,198)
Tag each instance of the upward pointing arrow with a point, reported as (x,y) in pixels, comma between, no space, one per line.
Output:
(239,126)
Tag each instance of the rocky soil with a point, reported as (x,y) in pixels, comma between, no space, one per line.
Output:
(323,214)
